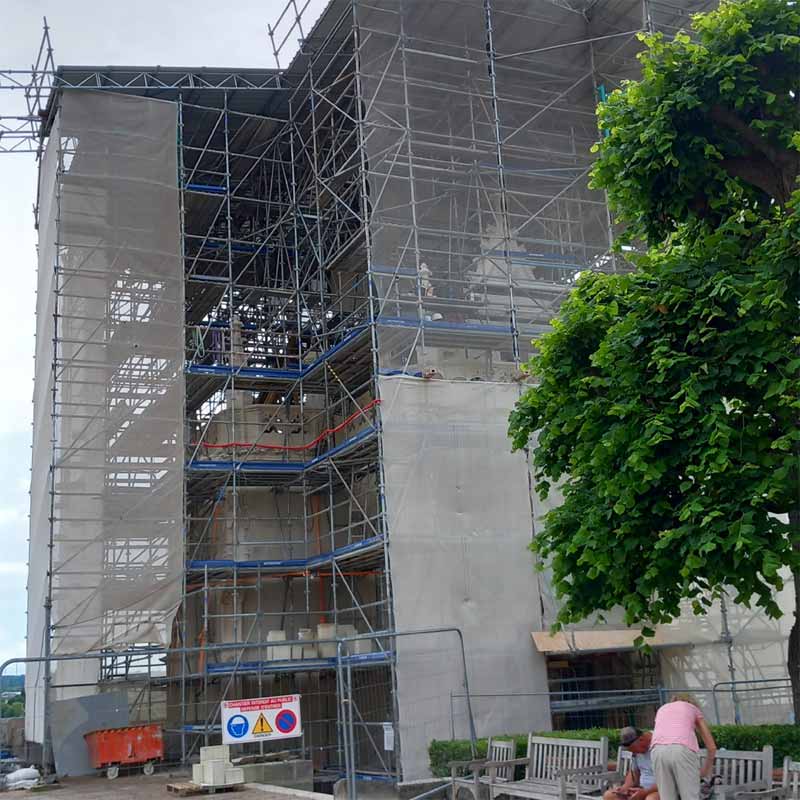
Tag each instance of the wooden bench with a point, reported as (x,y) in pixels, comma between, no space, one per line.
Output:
(498,751)
(745,772)
(548,764)
(742,771)
(788,789)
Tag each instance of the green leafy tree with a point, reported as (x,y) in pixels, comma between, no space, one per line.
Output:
(12,709)
(667,400)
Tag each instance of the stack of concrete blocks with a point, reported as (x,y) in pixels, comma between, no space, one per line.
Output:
(281,652)
(301,651)
(354,647)
(215,767)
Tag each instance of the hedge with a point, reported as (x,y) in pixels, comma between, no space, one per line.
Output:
(785,739)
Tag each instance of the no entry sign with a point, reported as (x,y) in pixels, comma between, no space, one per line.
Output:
(261,718)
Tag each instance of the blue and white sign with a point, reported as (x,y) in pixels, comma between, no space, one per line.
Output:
(237,727)
(261,718)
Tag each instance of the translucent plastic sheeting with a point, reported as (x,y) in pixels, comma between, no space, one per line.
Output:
(739,645)
(459,520)
(436,223)
(38,553)
(479,118)
(109,192)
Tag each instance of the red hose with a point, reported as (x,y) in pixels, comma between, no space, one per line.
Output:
(327,432)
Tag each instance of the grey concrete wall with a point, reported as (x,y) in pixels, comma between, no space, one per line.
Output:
(459,526)
(290,774)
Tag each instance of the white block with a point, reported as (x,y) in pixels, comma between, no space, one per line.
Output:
(197,774)
(297,649)
(281,653)
(359,647)
(327,630)
(214,772)
(307,650)
(217,752)
(234,775)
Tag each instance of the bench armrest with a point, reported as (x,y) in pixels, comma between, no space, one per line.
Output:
(582,778)
(474,768)
(777,792)
(491,767)
(721,792)
(473,763)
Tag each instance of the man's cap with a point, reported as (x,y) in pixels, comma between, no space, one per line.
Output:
(629,735)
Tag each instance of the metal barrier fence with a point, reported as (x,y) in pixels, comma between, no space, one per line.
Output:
(349,699)
(745,702)
(373,695)
(181,689)
(753,702)
(428,665)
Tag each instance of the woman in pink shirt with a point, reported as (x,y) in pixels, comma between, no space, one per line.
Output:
(675,751)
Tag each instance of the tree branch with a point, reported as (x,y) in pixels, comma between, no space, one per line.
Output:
(725,117)
(758,172)
(775,173)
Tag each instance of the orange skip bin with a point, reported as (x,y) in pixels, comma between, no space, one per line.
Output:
(136,744)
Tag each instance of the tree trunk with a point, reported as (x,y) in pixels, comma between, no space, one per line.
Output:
(793,662)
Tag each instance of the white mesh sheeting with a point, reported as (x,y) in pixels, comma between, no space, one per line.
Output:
(42,433)
(459,525)
(117,506)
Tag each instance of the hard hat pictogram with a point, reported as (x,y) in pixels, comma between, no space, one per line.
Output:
(237,726)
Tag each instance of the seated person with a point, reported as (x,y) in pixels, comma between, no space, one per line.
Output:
(640,782)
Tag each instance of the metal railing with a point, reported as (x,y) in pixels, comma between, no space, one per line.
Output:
(363,708)
(743,702)
(354,721)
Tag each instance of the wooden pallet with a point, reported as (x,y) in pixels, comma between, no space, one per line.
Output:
(188,789)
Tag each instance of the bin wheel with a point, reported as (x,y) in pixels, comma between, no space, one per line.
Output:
(149,768)
(112,772)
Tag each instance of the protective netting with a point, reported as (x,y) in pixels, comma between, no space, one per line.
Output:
(436,227)
(110,270)
(459,521)
(478,129)
(38,555)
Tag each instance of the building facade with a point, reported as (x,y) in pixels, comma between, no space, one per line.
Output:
(281,322)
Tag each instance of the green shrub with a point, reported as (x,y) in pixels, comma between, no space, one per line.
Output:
(785,739)
(441,753)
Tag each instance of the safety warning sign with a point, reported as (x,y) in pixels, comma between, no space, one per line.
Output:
(262,726)
(261,718)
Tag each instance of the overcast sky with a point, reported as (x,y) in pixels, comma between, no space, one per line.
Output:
(100,32)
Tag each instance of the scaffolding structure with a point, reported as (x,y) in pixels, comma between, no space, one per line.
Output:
(403,207)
